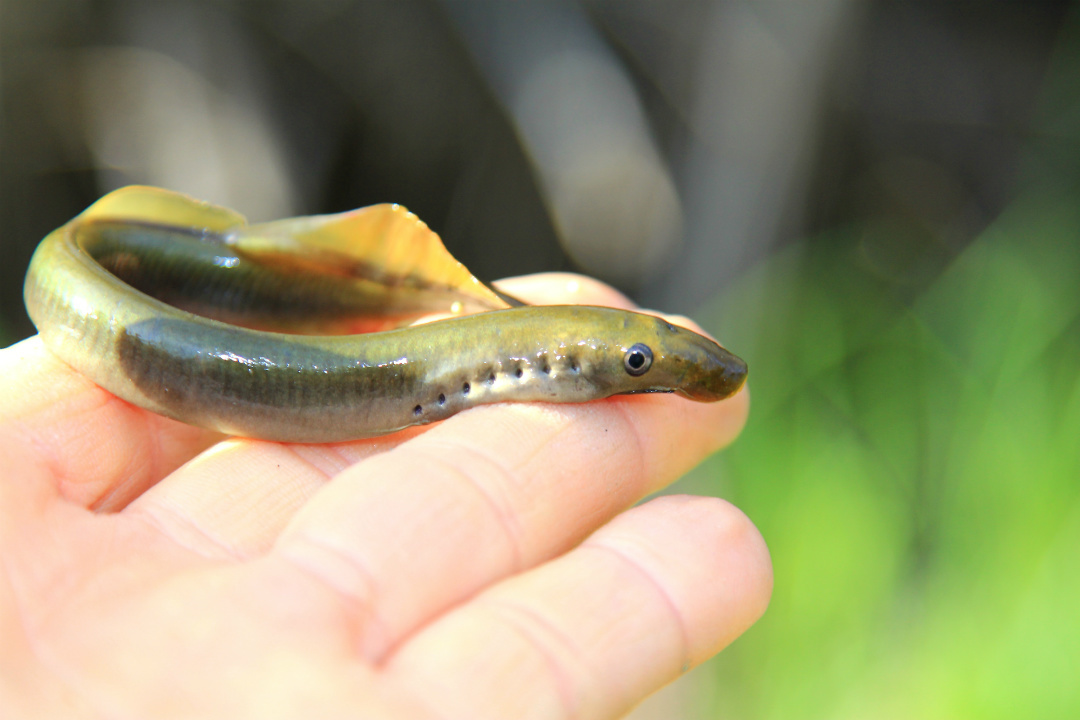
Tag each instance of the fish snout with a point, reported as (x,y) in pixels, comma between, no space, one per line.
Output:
(713,373)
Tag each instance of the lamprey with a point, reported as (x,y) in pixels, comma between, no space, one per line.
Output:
(184,309)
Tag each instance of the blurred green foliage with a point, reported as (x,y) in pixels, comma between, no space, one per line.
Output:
(912,459)
(914,470)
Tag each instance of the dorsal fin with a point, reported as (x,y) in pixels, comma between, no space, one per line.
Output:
(385,243)
(141,203)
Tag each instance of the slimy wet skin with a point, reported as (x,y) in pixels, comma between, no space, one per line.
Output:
(176,306)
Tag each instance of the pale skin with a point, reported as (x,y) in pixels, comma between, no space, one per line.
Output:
(485,567)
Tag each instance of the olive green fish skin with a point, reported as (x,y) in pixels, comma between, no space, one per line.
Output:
(303,388)
(201,273)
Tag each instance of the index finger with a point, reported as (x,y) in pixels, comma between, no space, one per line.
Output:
(64,435)
(561,288)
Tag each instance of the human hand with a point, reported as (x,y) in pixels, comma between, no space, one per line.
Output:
(478,568)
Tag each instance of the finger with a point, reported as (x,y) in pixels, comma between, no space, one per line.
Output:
(234,500)
(99,451)
(660,589)
(563,288)
(490,492)
(64,435)
(569,288)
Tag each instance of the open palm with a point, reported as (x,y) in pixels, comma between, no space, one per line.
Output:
(486,567)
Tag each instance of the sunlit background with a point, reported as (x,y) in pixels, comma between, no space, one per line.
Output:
(876,203)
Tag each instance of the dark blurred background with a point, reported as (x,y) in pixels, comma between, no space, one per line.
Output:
(876,203)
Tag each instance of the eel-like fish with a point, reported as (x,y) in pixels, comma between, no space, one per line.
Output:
(184,309)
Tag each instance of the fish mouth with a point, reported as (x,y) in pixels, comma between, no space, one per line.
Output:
(715,373)
(735,373)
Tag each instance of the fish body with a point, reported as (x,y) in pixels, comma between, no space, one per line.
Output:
(174,318)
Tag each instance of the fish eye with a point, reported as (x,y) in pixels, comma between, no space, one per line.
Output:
(637,359)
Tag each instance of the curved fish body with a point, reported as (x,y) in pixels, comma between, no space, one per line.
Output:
(81,292)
